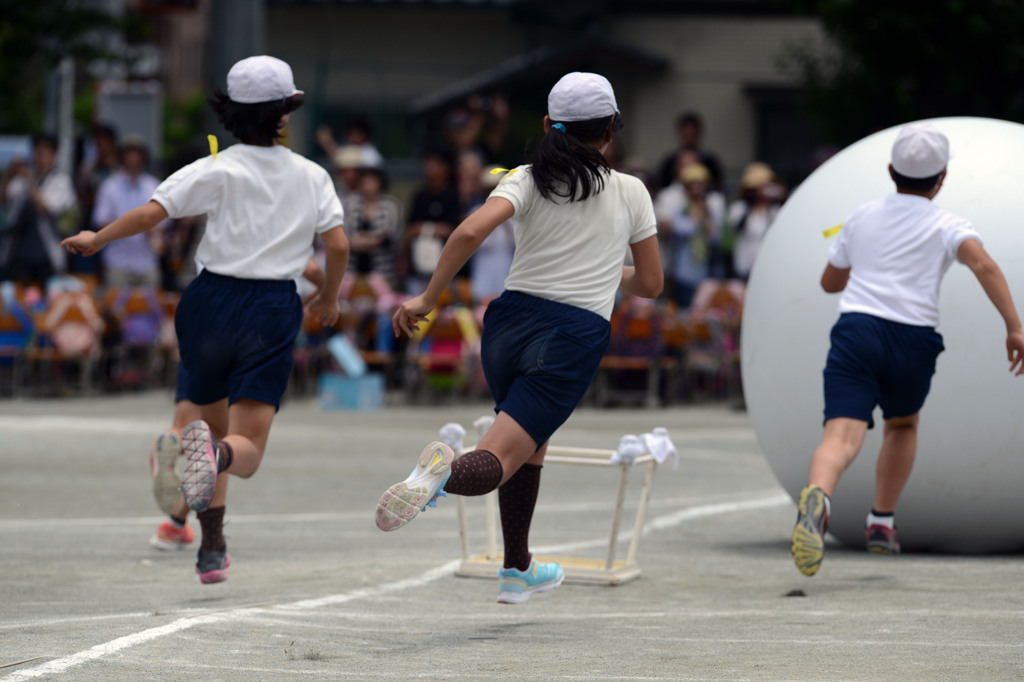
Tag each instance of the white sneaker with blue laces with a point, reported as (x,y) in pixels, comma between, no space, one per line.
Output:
(515,586)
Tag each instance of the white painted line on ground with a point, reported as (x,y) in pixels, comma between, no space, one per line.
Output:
(677,518)
(50,423)
(334,517)
(61,665)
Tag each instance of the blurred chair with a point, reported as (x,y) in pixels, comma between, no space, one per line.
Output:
(69,335)
(633,368)
(17,329)
(139,316)
(439,358)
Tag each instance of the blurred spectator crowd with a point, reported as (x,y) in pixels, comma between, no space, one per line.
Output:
(105,323)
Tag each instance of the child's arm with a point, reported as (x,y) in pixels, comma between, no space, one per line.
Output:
(972,254)
(324,307)
(644,278)
(457,250)
(834,279)
(315,276)
(135,221)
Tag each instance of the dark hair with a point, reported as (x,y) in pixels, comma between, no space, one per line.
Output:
(915,184)
(690,118)
(360,122)
(133,143)
(252,123)
(104,130)
(46,139)
(567,164)
(441,152)
(378,173)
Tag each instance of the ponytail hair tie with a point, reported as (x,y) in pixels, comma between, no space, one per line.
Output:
(558,126)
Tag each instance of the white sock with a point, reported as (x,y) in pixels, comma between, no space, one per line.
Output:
(887,520)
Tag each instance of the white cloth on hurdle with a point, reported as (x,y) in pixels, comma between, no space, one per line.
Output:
(661,446)
(630,447)
(452,435)
(482,426)
(657,443)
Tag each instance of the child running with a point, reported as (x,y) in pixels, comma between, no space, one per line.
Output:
(238,319)
(545,335)
(174,532)
(889,260)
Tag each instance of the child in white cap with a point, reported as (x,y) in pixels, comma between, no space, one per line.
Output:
(237,321)
(545,335)
(888,261)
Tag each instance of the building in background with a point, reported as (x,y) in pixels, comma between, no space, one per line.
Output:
(404,63)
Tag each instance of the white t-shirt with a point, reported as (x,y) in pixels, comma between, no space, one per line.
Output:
(573,252)
(263,206)
(898,247)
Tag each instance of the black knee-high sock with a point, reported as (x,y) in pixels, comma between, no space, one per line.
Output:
(212,523)
(516,500)
(475,473)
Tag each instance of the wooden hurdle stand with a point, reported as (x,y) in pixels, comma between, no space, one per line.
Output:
(577,569)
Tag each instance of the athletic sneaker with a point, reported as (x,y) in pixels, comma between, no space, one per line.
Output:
(882,540)
(515,586)
(166,482)
(168,536)
(200,477)
(809,534)
(212,565)
(403,501)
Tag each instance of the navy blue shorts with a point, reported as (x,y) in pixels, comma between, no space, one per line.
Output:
(539,357)
(236,338)
(878,362)
(181,388)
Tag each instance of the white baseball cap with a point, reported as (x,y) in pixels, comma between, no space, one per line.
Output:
(920,151)
(261,79)
(581,96)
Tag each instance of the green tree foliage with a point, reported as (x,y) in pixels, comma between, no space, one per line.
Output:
(886,63)
(34,36)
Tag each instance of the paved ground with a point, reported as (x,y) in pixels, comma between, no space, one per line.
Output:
(317,592)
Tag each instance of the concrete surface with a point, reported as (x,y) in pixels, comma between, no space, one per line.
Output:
(316,592)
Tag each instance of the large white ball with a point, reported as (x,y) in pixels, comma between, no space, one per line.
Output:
(966,493)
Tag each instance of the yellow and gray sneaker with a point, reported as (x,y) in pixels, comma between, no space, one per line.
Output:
(403,501)
(166,482)
(515,586)
(809,534)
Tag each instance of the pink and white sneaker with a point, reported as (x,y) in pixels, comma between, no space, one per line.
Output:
(200,478)
(212,565)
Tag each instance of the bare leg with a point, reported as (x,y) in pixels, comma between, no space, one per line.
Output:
(248,429)
(216,415)
(185,412)
(895,461)
(839,446)
(512,445)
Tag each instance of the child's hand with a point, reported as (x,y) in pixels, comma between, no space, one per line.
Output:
(1015,351)
(324,310)
(410,314)
(85,243)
